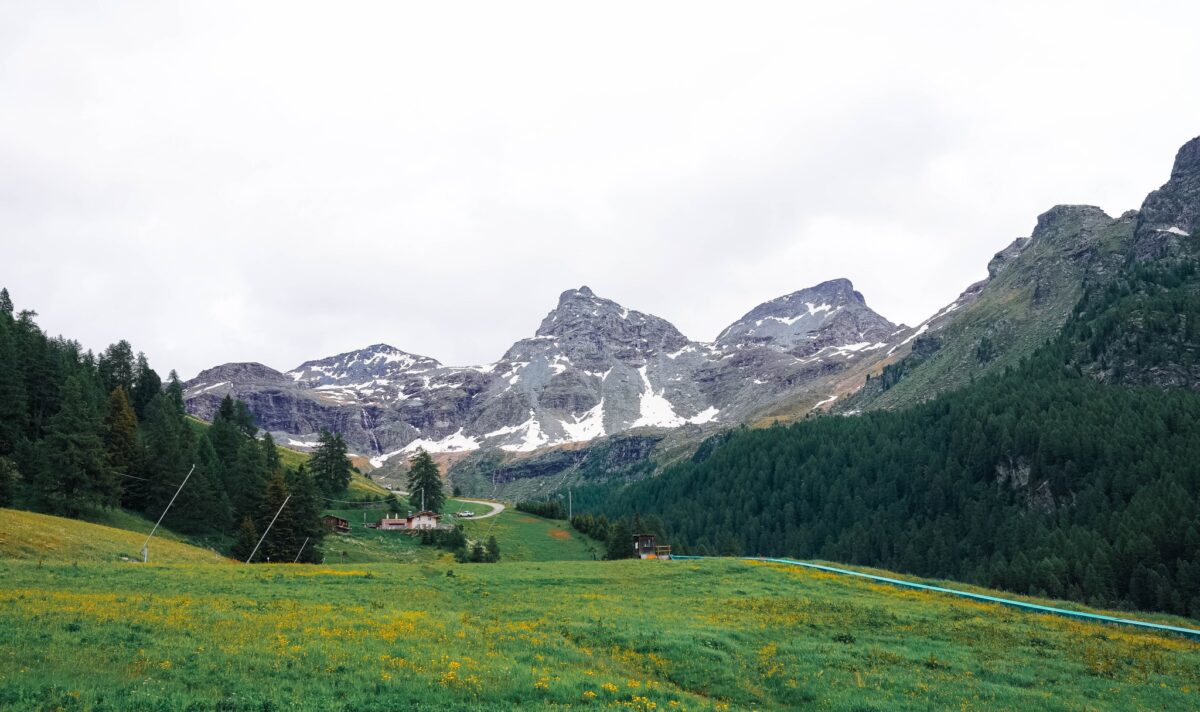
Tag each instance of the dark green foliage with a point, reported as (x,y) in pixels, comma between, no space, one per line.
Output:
(330,467)
(247,537)
(492,550)
(305,511)
(121,444)
(146,385)
(117,368)
(425,483)
(89,432)
(75,472)
(8,482)
(620,541)
(1040,480)
(551,509)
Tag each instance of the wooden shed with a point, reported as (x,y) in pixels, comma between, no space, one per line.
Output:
(335,524)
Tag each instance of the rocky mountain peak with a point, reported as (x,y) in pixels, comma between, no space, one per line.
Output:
(581,315)
(378,361)
(1187,160)
(1171,213)
(795,320)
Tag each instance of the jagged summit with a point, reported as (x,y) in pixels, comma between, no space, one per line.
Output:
(373,362)
(817,316)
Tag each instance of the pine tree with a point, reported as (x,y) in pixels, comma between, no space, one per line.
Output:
(248,479)
(8,482)
(270,452)
(167,458)
(78,472)
(620,541)
(493,550)
(174,392)
(6,304)
(247,537)
(280,545)
(117,367)
(146,385)
(425,483)
(120,434)
(330,466)
(14,406)
(305,511)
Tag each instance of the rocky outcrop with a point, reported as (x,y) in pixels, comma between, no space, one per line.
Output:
(592,369)
(1171,214)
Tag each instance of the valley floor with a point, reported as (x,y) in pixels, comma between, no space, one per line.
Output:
(704,635)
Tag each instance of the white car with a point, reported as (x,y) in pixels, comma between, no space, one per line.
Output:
(465,514)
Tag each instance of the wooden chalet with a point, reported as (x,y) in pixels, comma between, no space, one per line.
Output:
(336,525)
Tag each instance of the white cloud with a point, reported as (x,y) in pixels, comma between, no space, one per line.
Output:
(278,182)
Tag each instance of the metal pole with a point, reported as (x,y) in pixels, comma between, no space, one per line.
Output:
(298,553)
(146,544)
(264,535)
(570,506)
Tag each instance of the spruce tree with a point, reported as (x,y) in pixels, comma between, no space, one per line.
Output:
(248,479)
(329,465)
(620,541)
(281,544)
(117,367)
(8,482)
(493,550)
(146,385)
(6,304)
(120,433)
(78,472)
(425,483)
(305,511)
(168,457)
(247,537)
(14,406)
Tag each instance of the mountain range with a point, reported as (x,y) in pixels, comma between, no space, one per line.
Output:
(592,368)
(627,387)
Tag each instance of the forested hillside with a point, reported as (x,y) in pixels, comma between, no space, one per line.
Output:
(1054,477)
(80,434)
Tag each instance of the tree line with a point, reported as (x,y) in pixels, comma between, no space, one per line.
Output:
(81,433)
(1059,477)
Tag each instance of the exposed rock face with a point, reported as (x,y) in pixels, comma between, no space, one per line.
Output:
(805,322)
(592,369)
(1171,213)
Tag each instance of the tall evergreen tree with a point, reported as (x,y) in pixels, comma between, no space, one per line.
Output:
(280,544)
(120,433)
(6,304)
(329,465)
(146,385)
(8,482)
(425,483)
(304,510)
(78,473)
(14,406)
(117,367)
(166,461)
(247,537)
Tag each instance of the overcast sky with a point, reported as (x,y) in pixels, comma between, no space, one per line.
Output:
(252,182)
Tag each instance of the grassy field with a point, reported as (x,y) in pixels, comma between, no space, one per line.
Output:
(522,537)
(716,634)
(37,537)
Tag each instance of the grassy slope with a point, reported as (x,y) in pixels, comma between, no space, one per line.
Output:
(26,535)
(522,537)
(1008,312)
(716,634)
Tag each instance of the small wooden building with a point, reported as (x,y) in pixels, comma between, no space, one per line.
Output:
(413,522)
(335,524)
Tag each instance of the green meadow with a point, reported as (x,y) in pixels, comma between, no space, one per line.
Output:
(522,537)
(634,635)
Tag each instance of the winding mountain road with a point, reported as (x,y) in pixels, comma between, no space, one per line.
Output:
(496,507)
